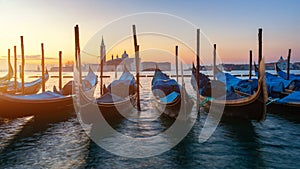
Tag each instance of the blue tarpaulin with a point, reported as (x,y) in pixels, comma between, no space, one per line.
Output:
(124,86)
(277,84)
(170,97)
(291,77)
(291,98)
(217,87)
(162,85)
(271,78)
(232,82)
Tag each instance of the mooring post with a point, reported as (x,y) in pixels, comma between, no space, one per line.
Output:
(20,73)
(259,45)
(198,68)
(15,67)
(138,77)
(8,61)
(60,70)
(23,64)
(102,56)
(77,54)
(288,65)
(43,68)
(137,62)
(176,61)
(250,64)
(215,61)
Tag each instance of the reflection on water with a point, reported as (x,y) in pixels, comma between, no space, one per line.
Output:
(30,142)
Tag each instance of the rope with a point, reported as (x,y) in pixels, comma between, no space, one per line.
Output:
(207,99)
(272,101)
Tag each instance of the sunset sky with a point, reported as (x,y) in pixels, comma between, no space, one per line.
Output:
(232,25)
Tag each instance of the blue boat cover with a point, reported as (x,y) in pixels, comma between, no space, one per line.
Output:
(277,84)
(284,75)
(124,86)
(204,82)
(291,98)
(220,90)
(162,85)
(170,97)
(248,86)
(295,80)
(271,78)
(227,79)
(109,98)
(275,87)
(234,83)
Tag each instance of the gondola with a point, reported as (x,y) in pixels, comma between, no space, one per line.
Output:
(48,104)
(242,86)
(277,85)
(286,98)
(169,97)
(8,76)
(29,87)
(5,80)
(288,103)
(119,97)
(241,105)
(117,101)
(293,77)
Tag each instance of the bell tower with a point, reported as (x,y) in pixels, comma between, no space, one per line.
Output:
(103,51)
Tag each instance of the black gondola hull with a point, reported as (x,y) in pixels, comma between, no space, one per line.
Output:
(15,109)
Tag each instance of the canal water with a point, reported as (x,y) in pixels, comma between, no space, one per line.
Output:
(40,143)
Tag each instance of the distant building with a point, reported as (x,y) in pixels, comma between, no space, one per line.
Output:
(64,69)
(164,66)
(296,65)
(118,63)
(282,63)
(103,51)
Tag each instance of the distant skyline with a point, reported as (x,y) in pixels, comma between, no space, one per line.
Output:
(232,25)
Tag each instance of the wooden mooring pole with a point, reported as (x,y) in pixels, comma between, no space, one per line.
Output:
(137,62)
(23,64)
(215,61)
(101,77)
(8,64)
(102,56)
(288,65)
(60,70)
(77,54)
(198,68)
(8,60)
(43,68)
(250,64)
(176,61)
(15,67)
(259,45)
